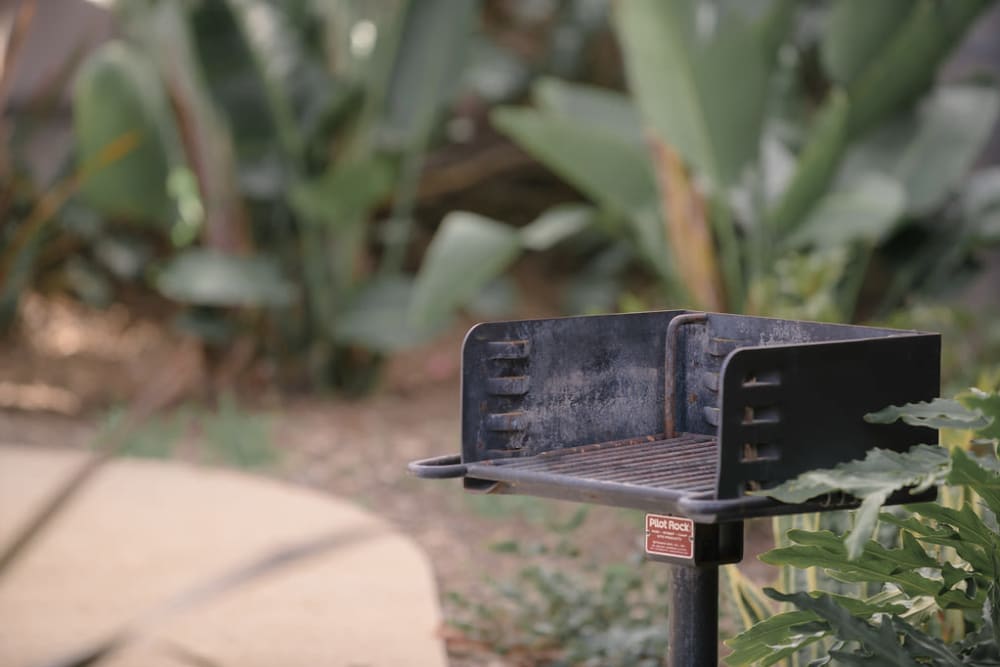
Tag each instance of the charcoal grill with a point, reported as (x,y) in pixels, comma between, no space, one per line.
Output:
(681,414)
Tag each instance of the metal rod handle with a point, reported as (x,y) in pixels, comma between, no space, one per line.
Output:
(438,467)
(671,375)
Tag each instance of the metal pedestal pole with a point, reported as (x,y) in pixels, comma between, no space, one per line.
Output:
(694,616)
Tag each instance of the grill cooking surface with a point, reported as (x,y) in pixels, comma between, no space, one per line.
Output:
(686,464)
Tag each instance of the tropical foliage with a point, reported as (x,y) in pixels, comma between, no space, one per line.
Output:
(938,584)
(772,155)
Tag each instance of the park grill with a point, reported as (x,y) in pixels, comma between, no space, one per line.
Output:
(681,414)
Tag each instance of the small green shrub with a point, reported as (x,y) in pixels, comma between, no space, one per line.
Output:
(940,583)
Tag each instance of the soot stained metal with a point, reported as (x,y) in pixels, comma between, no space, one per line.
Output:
(681,414)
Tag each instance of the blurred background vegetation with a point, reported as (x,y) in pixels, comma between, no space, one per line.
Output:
(309,188)
(332,181)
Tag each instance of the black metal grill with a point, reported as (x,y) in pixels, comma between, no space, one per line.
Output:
(683,414)
(678,412)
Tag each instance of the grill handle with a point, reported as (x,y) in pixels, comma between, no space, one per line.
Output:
(438,467)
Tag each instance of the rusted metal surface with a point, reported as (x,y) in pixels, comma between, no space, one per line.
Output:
(536,385)
(789,409)
(767,399)
(673,368)
(681,414)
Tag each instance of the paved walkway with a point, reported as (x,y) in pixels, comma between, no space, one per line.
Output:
(143,532)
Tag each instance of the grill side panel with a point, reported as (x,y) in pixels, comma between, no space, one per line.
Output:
(536,385)
(789,409)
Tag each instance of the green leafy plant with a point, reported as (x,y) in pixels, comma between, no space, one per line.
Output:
(832,152)
(942,564)
(36,208)
(254,161)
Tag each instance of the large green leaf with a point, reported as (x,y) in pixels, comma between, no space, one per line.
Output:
(884,472)
(931,151)
(988,227)
(938,413)
(205,277)
(882,643)
(651,240)
(879,475)
(270,66)
(377,317)
(345,194)
(467,252)
(775,638)
(493,73)
(989,405)
(614,173)
(556,225)
(986,483)
(981,204)
(17,275)
(926,648)
(816,165)
(907,65)
(773,27)
(590,137)
(955,123)
(117,93)
(962,530)
(881,470)
(908,566)
(866,210)
(782,635)
(432,38)
(600,109)
(856,32)
(699,76)
(991,608)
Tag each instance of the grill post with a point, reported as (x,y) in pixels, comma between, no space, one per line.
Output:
(693,616)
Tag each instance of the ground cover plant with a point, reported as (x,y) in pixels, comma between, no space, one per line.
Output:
(562,609)
(936,581)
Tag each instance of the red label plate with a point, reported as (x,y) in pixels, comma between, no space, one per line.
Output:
(669,536)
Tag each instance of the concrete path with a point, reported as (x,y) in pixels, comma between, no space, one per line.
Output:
(143,532)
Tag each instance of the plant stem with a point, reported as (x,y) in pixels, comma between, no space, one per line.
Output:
(854,281)
(400,224)
(759,239)
(729,251)
(281,112)
(15,41)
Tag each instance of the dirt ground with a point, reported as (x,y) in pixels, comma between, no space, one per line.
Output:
(67,364)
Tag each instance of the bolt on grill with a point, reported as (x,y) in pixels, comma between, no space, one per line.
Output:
(683,414)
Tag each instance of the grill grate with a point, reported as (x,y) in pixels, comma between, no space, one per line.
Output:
(687,464)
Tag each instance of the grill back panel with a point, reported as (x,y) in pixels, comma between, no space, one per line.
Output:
(536,385)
